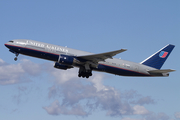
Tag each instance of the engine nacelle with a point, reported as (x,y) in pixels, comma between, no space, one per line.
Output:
(65,60)
(61,66)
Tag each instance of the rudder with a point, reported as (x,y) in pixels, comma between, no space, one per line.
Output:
(157,59)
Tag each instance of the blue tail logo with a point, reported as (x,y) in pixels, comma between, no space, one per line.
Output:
(157,59)
(163,54)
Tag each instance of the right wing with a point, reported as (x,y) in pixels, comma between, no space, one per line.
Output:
(95,58)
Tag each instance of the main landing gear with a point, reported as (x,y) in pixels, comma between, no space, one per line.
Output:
(84,73)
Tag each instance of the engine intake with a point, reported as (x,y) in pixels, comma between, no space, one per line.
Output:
(61,66)
(65,59)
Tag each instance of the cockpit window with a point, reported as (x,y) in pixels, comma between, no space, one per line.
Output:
(11,41)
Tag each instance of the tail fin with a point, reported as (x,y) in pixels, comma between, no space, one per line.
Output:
(157,59)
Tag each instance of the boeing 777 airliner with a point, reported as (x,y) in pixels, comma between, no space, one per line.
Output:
(66,58)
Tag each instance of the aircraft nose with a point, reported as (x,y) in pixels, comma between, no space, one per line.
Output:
(9,43)
(6,44)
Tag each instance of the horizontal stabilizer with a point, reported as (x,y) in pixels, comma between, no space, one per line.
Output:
(161,71)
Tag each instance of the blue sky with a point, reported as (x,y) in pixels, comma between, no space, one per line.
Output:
(32,89)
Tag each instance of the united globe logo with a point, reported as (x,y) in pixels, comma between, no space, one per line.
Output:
(163,54)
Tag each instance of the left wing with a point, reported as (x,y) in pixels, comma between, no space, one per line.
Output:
(95,58)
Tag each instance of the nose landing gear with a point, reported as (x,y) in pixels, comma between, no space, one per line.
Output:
(15,54)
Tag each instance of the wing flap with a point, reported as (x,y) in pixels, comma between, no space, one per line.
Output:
(161,71)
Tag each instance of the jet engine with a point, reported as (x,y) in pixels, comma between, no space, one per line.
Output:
(61,66)
(65,59)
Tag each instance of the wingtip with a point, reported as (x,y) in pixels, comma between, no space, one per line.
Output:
(124,49)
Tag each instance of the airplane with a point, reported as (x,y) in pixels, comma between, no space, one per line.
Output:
(67,58)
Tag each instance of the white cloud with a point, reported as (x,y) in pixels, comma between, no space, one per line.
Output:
(53,91)
(10,74)
(93,94)
(144,100)
(79,96)
(140,110)
(158,116)
(62,76)
(16,73)
(19,97)
(97,81)
(31,68)
(2,62)
(133,119)
(177,115)
(151,116)
(56,109)
(135,98)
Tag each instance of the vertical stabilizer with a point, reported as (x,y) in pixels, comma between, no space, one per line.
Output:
(157,59)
